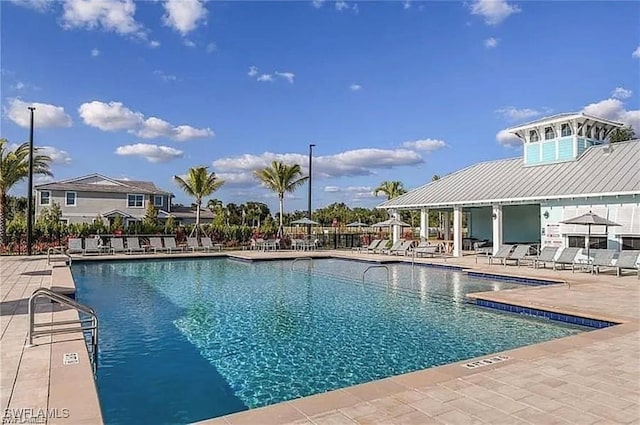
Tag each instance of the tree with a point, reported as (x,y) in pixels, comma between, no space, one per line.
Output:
(391,189)
(150,219)
(199,183)
(281,178)
(14,167)
(622,134)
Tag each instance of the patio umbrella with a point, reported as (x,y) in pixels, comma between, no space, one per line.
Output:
(357,224)
(590,219)
(391,222)
(305,221)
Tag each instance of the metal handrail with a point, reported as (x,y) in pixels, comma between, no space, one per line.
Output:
(58,251)
(300,259)
(63,300)
(377,266)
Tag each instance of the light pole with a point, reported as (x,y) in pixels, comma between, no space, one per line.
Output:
(311,145)
(30,189)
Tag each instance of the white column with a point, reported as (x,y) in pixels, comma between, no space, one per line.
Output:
(497,227)
(447,229)
(424,223)
(457,231)
(395,229)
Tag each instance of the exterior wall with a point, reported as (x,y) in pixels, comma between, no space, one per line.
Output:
(584,143)
(521,223)
(532,154)
(89,205)
(623,210)
(557,150)
(480,223)
(565,149)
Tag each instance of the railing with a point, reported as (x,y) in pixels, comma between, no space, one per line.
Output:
(376,267)
(58,250)
(301,259)
(91,320)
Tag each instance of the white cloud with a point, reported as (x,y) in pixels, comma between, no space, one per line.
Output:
(507,139)
(167,78)
(621,93)
(614,109)
(114,116)
(45,116)
(317,3)
(19,85)
(428,145)
(152,153)
(39,5)
(356,9)
(184,16)
(57,156)
(253,71)
(244,179)
(491,42)
(493,11)
(289,76)
(154,43)
(341,5)
(514,114)
(109,15)
(406,4)
(636,53)
(355,87)
(265,78)
(189,43)
(211,47)
(95,53)
(357,162)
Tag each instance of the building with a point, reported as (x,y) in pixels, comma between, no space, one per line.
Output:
(568,168)
(82,199)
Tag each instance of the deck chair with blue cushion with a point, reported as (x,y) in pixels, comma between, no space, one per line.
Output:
(628,260)
(567,257)
(547,255)
(503,252)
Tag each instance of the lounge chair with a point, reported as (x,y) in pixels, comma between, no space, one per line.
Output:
(91,246)
(170,244)
(192,244)
(395,247)
(602,258)
(133,245)
(208,245)
(404,248)
(628,260)
(74,246)
(503,252)
(382,246)
(271,244)
(520,252)
(155,243)
(567,257)
(257,244)
(545,256)
(372,246)
(116,245)
(424,248)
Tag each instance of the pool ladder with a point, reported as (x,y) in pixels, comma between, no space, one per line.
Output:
(301,259)
(377,266)
(87,324)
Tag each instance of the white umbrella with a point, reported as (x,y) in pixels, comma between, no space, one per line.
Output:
(590,219)
(304,221)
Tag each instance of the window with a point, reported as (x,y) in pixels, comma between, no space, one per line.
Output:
(135,201)
(632,243)
(549,133)
(45,197)
(70,199)
(533,136)
(64,221)
(157,200)
(595,242)
(587,131)
(566,130)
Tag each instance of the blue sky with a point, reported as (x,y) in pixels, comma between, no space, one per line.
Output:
(386,90)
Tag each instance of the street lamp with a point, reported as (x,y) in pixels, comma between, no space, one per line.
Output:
(30,189)
(311,145)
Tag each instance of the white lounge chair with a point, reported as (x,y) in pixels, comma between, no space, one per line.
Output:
(208,245)
(602,258)
(545,256)
(567,257)
(92,246)
(371,247)
(170,244)
(520,253)
(503,252)
(133,245)
(74,246)
(628,260)
(395,247)
(424,248)
(116,245)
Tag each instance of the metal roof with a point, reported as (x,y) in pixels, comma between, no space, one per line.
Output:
(565,116)
(601,170)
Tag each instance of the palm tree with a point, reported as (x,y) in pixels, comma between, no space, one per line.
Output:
(281,178)
(390,189)
(14,167)
(199,183)
(622,134)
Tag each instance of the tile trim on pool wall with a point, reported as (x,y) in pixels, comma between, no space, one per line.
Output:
(521,280)
(560,317)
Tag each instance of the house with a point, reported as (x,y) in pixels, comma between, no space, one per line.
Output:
(82,199)
(568,168)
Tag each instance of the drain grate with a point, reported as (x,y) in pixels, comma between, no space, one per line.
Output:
(485,362)
(70,358)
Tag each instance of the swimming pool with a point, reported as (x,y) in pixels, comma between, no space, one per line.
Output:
(185,340)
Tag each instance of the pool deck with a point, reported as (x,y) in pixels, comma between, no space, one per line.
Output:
(591,378)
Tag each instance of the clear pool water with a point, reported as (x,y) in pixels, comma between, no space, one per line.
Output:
(185,340)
